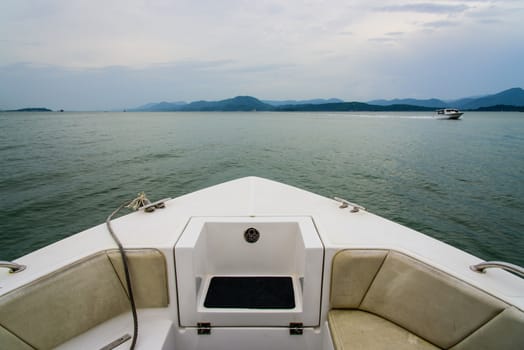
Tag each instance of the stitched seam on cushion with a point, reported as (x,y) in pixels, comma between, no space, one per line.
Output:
(17,337)
(165,282)
(116,274)
(373,280)
(477,329)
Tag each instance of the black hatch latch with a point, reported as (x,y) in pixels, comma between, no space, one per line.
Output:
(204,328)
(296,328)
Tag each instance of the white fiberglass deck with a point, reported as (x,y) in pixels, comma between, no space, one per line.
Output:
(201,236)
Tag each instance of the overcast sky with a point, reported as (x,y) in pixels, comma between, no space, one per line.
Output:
(92,54)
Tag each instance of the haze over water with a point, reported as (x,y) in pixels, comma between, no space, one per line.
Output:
(459,181)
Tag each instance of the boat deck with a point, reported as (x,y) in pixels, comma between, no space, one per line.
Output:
(209,281)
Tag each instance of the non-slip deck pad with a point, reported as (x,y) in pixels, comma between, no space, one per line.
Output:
(250,293)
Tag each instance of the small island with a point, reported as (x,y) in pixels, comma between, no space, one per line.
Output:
(30,109)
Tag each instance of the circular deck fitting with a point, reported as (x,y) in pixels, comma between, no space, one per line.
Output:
(251,235)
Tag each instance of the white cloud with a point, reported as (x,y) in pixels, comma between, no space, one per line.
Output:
(429,7)
(190,49)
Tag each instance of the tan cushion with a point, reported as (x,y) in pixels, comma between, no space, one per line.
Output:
(148,276)
(51,310)
(9,341)
(60,306)
(358,330)
(352,273)
(504,332)
(429,303)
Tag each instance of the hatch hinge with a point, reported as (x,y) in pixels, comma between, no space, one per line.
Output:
(204,328)
(296,328)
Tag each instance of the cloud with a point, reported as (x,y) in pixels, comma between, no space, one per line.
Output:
(425,8)
(56,87)
(137,51)
(260,68)
(382,40)
(491,21)
(388,38)
(440,24)
(394,33)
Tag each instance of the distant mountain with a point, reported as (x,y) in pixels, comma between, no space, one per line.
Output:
(248,103)
(351,107)
(511,97)
(30,109)
(433,103)
(315,101)
(239,103)
(500,108)
(460,103)
(159,107)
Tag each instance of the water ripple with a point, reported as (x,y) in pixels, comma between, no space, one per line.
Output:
(458,182)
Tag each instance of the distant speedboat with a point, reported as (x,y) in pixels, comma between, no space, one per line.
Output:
(448,113)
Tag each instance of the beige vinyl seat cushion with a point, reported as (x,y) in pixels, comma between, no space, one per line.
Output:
(11,342)
(359,330)
(76,298)
(504,332)
(406,299)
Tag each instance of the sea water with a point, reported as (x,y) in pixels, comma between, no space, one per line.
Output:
(459,181)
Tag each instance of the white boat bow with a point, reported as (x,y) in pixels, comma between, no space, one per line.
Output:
(257,264)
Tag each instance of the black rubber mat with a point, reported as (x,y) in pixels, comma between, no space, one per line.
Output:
(250,293)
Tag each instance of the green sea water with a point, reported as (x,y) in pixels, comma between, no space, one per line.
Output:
(459,181)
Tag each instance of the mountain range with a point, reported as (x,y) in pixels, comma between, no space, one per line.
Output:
(511,100)
(510,97)
(316,101)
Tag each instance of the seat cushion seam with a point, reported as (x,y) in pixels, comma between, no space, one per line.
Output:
(373,280)
(116,274)
(478,328)
(17,336)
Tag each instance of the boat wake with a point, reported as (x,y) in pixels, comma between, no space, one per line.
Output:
(392,116)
